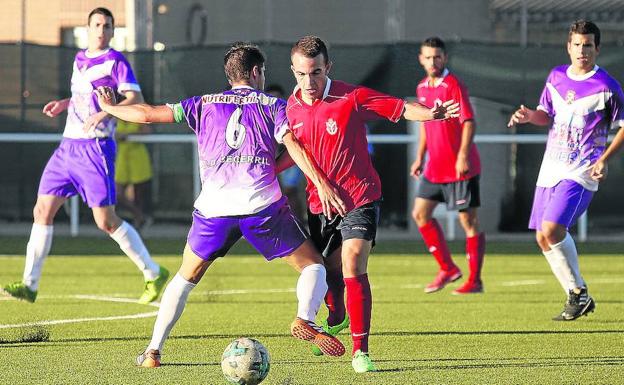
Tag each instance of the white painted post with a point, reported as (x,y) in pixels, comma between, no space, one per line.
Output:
(582,227)
(74,220)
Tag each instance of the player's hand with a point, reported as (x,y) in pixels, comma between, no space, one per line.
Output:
(521,116)
(599,171)
(53,108)
(92,121)
(446,110)
(462,166)
(106,96)
(417,168)
(329,197)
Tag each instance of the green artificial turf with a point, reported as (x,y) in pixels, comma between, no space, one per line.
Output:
(504,336)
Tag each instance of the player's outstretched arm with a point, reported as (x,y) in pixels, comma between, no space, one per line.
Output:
(446,110)
(55,107)
(599,169)
(137,113)
(328,194)
(526,115)
(283,162)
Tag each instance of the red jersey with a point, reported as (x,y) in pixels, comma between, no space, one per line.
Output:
(333,131)
(444,136)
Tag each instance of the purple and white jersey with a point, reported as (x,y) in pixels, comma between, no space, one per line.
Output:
(237,134)
(584,109)
(107,69)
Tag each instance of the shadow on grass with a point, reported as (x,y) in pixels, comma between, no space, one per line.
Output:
(477,363)
(278,335)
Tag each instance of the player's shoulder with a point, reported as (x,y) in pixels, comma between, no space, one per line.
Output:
(116,55)
(293,103)
(607,79)
(339,89)
(560,71)
(451,78)
(453,81)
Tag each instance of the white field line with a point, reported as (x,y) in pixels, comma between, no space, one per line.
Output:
(89,319)
(526,282)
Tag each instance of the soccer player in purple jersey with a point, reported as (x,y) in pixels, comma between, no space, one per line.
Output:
(84,162)
(580,103)
(237,134)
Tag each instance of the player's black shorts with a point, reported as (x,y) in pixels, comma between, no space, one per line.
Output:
(457,195)
(359,223)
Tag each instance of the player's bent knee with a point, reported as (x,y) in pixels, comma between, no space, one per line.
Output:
(43,213)
(304,255)
(420,217)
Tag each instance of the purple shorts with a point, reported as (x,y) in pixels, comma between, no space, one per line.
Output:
(275,232)
(563,204)
(82,166)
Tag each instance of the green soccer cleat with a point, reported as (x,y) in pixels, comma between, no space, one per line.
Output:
(154,288)
(362,363)
(20,291)
(333,331)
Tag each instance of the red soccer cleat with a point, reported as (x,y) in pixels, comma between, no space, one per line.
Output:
(442,279)
(469,287)
(309,331)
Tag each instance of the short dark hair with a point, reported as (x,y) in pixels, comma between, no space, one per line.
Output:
(274,88)
(240,60)
(434,42)
(310,47)
(101,11)
(585,27)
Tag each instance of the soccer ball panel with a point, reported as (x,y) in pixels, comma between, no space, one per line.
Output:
(245,361)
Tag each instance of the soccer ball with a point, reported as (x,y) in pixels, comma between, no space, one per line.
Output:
(245,361)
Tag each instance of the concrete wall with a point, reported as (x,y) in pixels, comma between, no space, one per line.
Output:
(45,19)
(188,22)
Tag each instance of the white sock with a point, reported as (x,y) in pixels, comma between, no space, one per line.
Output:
(311,289)
(171,308)
(37,250)
(555,264)
(131,244)
(566,249)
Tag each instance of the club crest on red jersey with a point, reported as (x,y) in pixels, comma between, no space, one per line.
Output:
(331,126)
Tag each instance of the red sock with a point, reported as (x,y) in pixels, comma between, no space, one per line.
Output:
(334,299)
(475,251)
(359,306)
(436,244)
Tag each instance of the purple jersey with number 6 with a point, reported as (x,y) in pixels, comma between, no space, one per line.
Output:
(237,135)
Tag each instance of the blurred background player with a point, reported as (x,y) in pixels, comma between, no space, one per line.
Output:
(84,161)
(581,103)
(327,126)
(133,173)
(291,179)
(451,173)
(237,134)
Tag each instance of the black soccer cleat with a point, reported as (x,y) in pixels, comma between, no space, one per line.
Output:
(578,304)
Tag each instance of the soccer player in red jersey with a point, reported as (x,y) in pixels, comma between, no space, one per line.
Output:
(327,125)
(451,173)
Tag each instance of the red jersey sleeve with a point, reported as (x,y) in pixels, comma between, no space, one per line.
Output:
(460,94)
(376,105)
